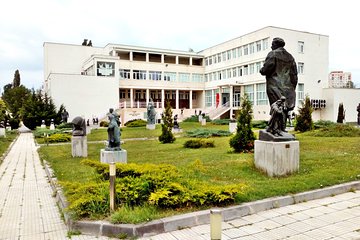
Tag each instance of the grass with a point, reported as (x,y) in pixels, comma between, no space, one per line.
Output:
(324,161)
(6,141)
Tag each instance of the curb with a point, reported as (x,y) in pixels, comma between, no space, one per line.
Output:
(105,228)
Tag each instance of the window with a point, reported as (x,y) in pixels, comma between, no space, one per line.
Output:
(258,46)
(139,74)
(153,75)
(208,98)
(246,50)
(234,72)
(239,51)
(224,56)
(300,93)
(246,70)
(258,67)
(170,76)
(240,71)
(300,68)
(252,48)
(249,91)
(234,53)
(206,61)
(223,74)
(215,59)
(265,43)
(261,97)
(228,53)
(184,77)
(219,57)
(228,73)
(210,60)
(124,73)
(196,77)
(252,67)
(106,69)
(300,47)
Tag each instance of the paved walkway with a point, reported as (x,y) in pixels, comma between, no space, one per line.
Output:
(28,210)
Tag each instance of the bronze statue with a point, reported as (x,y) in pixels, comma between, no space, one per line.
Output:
(79,126)
(176,123)
(358,116)
(281,79)
(151,113)
(113,133)
(64,116)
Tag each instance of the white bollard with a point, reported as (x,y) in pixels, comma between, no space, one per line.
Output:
(215,224)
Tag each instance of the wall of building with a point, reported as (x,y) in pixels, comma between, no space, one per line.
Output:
(87,96)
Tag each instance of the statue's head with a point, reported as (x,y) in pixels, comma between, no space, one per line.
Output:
(283,98)
(277,42)
(111,110)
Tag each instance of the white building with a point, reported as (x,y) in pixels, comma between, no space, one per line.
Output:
(340,79)
(90,80)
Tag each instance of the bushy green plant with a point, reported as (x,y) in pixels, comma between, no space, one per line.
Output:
(198,143)
(104,123)
(260,124)
(67,125)
(41,132)
(304,120)
(59,137)
(337,130)
(243,140)
(166,128)
(206,133)
(136,123)
(323,124)
(341,113)
(195,118)
(220,121)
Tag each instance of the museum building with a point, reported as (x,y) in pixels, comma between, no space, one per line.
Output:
(90,80)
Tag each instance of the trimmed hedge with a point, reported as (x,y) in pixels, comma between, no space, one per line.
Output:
(136,123)
(206,133)
(198,143)
(59,137)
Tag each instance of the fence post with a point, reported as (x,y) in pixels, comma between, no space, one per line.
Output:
(112,185)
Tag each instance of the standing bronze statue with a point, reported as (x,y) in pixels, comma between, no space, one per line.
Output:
(358,116)
(113,132)
(281,79)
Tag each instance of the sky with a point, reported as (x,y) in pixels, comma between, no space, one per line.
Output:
(170,24)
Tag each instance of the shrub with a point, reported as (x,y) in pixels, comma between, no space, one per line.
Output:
(337,130)
(195,118)
(260,124)
(198,143)
(323,124)
(206,133)
(41,132)
(104,123)
(341,113)
(67,125)
(59,137)
(303,119)
(136,123)
(166,128)
(243,140)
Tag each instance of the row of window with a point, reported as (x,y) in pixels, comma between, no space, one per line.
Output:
(250,91)
(158,76)
(140,94)
(234,53)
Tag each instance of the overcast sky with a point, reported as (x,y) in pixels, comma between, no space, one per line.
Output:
(172,24)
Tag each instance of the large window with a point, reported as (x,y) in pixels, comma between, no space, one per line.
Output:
(252,67)
(249,91)
(170,76)
(208,98)
(139,74)
(196,77)
(300,93)
(261,97)
(106,69)
(252,48)
(184,77)
(258,46)
(300,68)
(265,43)
(154,75)
(246,50)
(124,73)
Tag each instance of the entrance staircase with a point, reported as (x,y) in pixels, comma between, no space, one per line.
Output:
(220,110)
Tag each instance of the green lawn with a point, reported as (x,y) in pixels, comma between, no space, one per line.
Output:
(323,162)
(6,141)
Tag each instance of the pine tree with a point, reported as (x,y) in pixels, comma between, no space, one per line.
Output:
(166,128)
(341,114)
(16,81)
(243,140)
(304,120)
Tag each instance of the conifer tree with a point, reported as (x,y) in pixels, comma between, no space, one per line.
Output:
(16,81)
(304,120)
(341,113)
(243,140)
(166,128)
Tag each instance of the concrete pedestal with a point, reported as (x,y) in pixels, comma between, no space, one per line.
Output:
(79,146)
(43,126)
(150,126)
(52,126)
(232,127)
(2,132)
(113,156)
(200,118)
(277,158)
(177,130)
(203,122)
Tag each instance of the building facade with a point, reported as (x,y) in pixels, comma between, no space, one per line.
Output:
(90,80)
(340,79)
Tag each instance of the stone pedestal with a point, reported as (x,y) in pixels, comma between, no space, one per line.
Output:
(43,126)
(88,130)
(200,118)
(52,126)
(177,130)
(150,126)
(203,122)
(79,146)
(113,156)
(2,132)
(232,127)
(277,158)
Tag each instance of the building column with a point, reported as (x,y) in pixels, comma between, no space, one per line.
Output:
(213,103)
(147,57)
(131,97)
(162,58)
(177,99)
(177,60)
(190,61)
(147,96)
(231,101)
(220,97)
(190,99)
(131,56)
(162,98)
